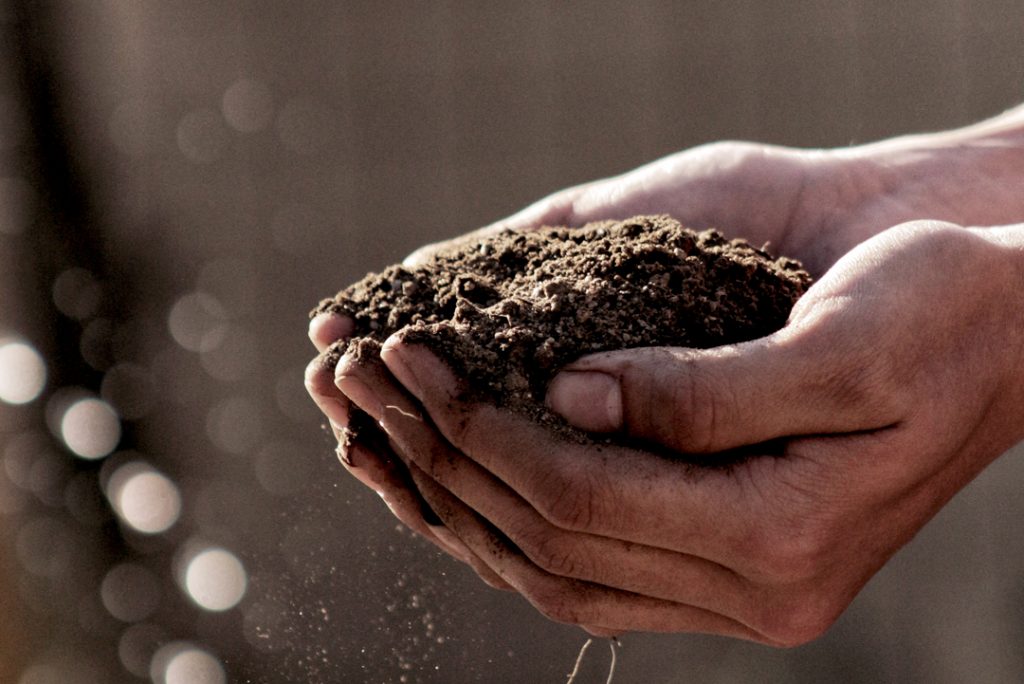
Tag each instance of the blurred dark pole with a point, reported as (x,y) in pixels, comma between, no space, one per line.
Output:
(65,232)
(61,232)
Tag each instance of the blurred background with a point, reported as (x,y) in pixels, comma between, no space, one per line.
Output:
(180,182)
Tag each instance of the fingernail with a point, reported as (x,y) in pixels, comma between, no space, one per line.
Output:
(335,409)
(587,399)
(314,332)
(391,354)
(326,328)
(360,394)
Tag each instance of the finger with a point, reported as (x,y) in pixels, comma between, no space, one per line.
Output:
(612,562)
(796,382)
(389,478)
(327,328)
(631,495)
(569,600)
(402,491)
(319,380)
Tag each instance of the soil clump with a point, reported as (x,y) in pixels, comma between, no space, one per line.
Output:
(508,311)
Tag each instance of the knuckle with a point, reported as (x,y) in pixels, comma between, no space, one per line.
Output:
(556,602)
(556,554)
(565,499)
(695,422)
(465,424)
(574,205)
(436,462)
(794,566)
(855,377)
(458,424)
(315,376)
(867,385)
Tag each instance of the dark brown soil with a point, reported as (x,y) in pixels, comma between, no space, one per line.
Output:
(509,311)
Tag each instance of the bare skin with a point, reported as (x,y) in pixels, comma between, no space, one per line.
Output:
(897,379)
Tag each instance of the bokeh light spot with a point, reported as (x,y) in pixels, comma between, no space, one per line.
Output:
(69,669)
(248,105)
(215,579)
(235,425)
(194,666)
(77,293)
(143,498)
(181,662)
(130,592)
(234,358)
(233,281)
(137,645)
(197,322)
(90,428)
(22,372)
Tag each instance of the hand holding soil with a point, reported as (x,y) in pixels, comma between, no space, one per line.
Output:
(896,380)
(881,429)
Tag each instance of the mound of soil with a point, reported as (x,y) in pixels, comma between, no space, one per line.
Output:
(507,312)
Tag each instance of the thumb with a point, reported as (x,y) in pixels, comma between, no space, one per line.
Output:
(703,401)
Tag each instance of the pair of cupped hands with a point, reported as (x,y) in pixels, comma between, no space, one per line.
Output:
(896,380)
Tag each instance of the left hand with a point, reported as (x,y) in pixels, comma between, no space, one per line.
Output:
(896,381)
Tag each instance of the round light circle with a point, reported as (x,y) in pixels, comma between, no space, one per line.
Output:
(194,666)
(146,500)
(90,428)
(215,579)
(22,373)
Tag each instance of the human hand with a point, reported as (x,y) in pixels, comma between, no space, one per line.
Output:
(896,381)
(742,180)
(811,204)
(370,459)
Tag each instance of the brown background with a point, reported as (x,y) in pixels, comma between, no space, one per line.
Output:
(390,124)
